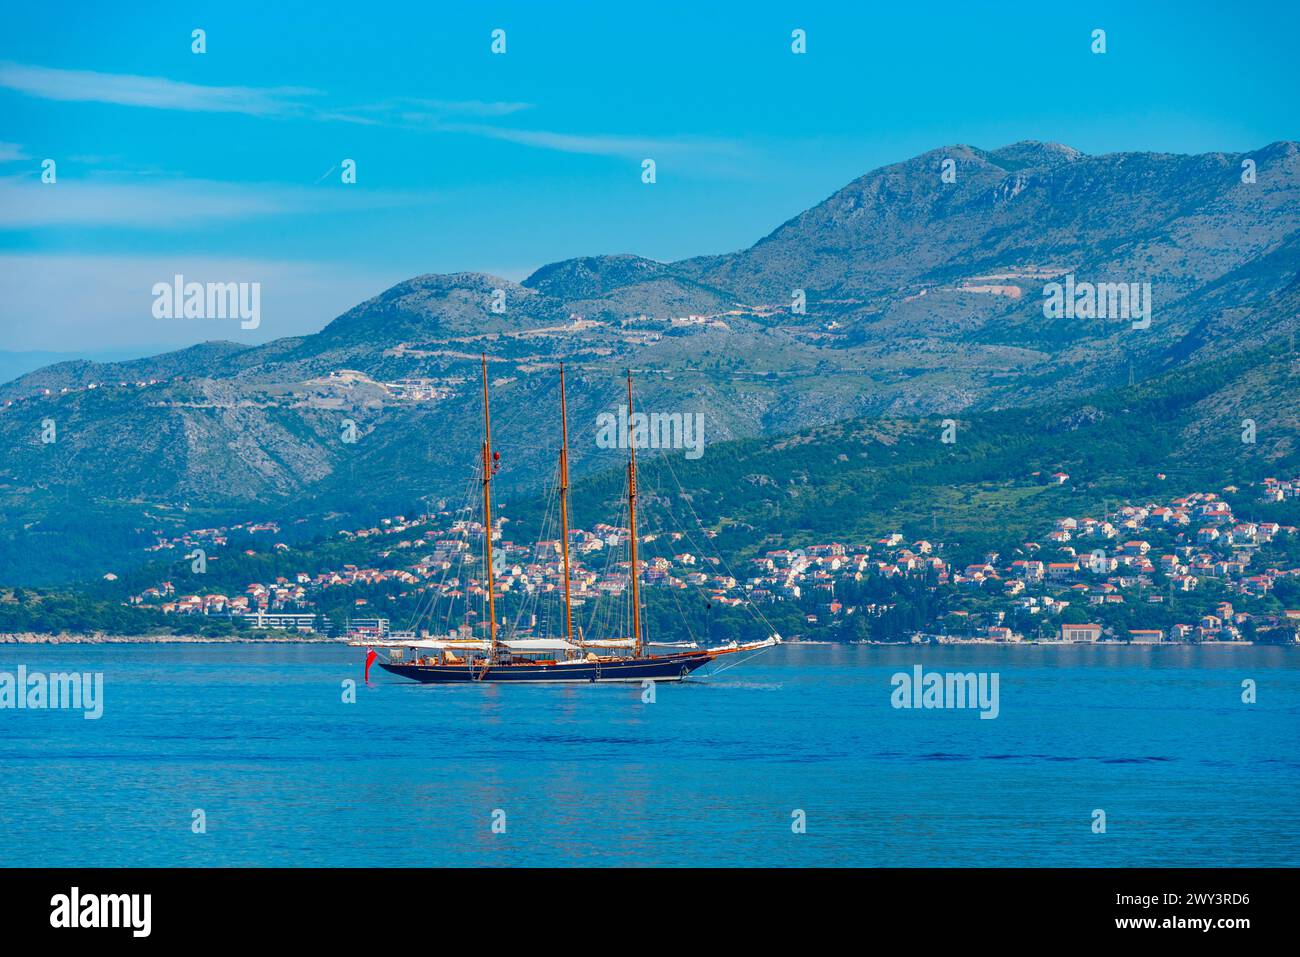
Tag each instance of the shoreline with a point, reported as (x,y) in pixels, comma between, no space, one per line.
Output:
(1048,643)
(99,638)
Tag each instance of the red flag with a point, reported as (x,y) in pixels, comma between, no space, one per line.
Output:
(370,660)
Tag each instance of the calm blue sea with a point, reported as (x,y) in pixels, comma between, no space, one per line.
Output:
(286,773)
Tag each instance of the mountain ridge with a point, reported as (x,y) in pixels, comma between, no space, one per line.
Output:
(920,297)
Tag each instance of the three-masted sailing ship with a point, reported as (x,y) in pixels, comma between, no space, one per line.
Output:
(578,659)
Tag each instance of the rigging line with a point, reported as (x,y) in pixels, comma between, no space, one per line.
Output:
(432,595)
(532,601)
(439,592)
(681,613)
(725,567)
(597,616)
(528,603)
(600,613)
(515,411)
(701,590)
(617,611)
(461,578)
(673,591)
(551,600)
(427,603)
(740,660)
(469,562)
(624,603)
(540,604)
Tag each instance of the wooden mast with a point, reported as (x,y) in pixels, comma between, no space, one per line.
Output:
(564,506)
(631,511)
(487,511)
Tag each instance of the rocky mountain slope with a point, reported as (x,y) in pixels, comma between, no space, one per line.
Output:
(923,296)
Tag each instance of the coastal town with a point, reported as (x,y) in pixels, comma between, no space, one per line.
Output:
(1182,570)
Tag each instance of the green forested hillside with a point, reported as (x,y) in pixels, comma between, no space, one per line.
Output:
(858,479)
(989,490)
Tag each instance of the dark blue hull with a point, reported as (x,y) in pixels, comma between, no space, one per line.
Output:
(661,668)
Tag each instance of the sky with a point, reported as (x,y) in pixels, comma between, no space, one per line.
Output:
(226,166)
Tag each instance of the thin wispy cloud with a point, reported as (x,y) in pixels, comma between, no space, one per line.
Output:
(88,86)
(599,144)
(10,152)
(421,113)
(434,115)
(465,107)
